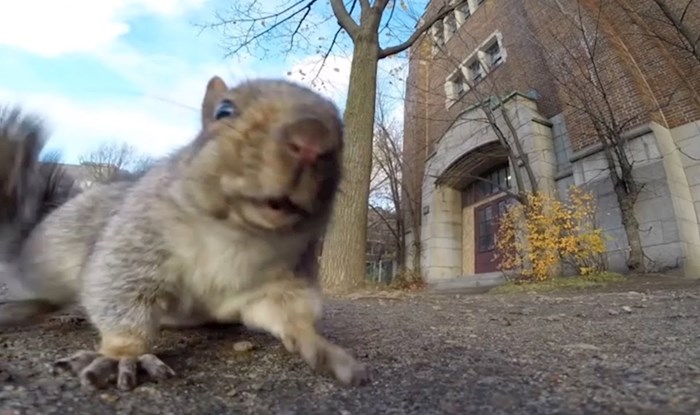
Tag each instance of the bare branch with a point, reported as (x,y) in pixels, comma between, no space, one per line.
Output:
(680,26)
(255,25)
(114,161)
(444,11)
(344,19)
(330,47)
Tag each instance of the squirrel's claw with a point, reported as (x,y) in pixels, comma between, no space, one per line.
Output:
(98,371)
(330,359)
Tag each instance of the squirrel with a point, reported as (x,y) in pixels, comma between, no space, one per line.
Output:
(223,230)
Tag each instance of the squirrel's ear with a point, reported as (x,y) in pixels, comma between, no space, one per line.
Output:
(215,88)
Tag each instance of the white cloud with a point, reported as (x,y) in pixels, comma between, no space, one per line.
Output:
(159,115)
(52,28)
(174,79)
(162,111)
(76,127)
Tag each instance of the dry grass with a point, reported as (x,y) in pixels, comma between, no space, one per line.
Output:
(561,284)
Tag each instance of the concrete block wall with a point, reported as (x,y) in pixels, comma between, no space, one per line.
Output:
(661,209)
(668,207)
(657,223)
(681,200)
(687,138)
(561,144)
(442,235)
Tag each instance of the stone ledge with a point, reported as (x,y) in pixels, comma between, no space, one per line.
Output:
(468,284)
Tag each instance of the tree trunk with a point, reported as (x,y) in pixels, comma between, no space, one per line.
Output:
(416,255)
(635,261)
(521,156)
(400,248)
(343,259)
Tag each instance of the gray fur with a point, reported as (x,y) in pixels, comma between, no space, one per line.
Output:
(160,250)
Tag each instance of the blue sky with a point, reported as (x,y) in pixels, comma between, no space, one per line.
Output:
(135,70)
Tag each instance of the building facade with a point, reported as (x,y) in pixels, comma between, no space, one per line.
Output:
(525,56)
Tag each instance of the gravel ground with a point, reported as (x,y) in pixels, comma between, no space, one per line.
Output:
(632,350)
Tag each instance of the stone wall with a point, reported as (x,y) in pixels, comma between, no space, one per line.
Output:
(442,221)
(687,138)
(668,222)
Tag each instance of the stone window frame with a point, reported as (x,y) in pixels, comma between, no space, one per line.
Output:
(456,85)
(449,26)
(443,30)
(486,67)
(462,13)
(437,35)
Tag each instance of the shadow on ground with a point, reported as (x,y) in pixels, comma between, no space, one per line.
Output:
(632,350)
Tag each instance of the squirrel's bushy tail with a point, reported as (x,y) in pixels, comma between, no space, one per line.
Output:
(29,187)
(29,190)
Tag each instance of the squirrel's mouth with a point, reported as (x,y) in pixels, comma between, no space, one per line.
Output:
(284,205)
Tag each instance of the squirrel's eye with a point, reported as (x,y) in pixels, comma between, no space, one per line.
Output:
(225,109)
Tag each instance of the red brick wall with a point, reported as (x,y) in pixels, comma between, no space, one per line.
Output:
(522,71)
(646,79)
(414,148)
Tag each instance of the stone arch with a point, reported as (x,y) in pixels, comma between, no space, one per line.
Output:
(467,149)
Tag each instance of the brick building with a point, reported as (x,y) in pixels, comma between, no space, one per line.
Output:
(520,51)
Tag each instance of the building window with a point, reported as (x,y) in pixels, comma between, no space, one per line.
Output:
(486,235)
(438,35)
(494,181)
(475,72)
(488,56)
(465,10)
(494,53)
(458,85)
(462,12)
(450,24)
(490,183)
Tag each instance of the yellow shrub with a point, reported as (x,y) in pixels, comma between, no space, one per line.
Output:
(535,237)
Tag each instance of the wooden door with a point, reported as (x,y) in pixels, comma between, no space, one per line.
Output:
(486,219)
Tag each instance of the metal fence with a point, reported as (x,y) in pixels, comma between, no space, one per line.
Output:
(381,271)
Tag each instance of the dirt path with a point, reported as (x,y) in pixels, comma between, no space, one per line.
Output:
(605,352)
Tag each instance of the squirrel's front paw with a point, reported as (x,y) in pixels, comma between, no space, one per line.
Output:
(328,358)
(98,371)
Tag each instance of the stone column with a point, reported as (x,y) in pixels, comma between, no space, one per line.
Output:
(442,228)
(681,201)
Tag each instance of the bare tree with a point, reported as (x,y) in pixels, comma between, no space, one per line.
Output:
(389,188)
(488,96)
(581,71)
(673,22)
(249,26)
(113,161)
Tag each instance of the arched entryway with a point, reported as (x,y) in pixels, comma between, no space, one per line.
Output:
(482,177)
(456,216)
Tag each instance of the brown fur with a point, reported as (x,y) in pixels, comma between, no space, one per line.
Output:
(225,230)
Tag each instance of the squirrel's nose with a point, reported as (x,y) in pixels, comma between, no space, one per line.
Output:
(307,139)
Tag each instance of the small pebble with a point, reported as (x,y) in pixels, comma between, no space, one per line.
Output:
(243,346)
(109,398)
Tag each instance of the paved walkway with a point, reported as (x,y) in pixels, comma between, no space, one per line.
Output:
(608,352)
